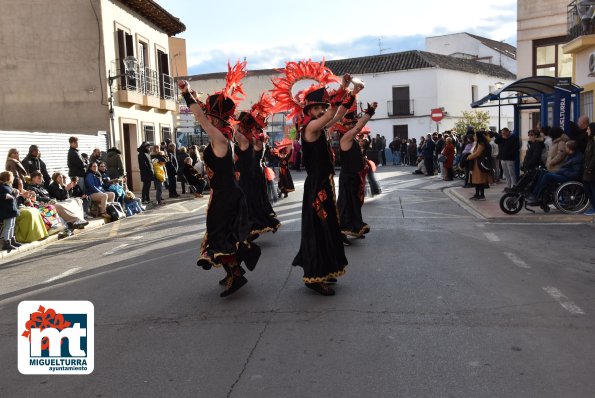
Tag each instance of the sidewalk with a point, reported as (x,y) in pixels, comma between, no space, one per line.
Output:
(490,209)
(94,223)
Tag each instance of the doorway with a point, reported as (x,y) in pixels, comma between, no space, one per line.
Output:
(130,160)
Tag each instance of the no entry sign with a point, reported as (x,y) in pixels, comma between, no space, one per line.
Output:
(437,114)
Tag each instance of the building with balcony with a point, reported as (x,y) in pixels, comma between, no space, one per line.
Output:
(581,47)
(542,32)
(406,85)
(64,75)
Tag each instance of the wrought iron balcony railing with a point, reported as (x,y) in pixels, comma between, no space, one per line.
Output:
(146,81)
(400,107)
(579,17)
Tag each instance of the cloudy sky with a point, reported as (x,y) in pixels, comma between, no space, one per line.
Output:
(268,33)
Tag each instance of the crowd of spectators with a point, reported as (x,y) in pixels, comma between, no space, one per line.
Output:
(34,205)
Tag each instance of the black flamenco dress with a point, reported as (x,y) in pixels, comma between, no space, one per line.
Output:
(228,226)
(321,254)
(285,180)
(252,181)
(352,184)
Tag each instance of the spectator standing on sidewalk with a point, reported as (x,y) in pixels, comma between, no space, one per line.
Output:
(479,178)
(115,166)
(76,164)
(495,158)
(427,152)
(449,154)
(146,170)
(8,211)
(172,170)
(508,151)
(395,149)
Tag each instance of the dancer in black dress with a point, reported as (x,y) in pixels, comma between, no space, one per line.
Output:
(321,253)
(249,137)
(352,179)
(225,243)
(283,153)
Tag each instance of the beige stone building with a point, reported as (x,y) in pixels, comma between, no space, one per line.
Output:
(62,74)
(551,42)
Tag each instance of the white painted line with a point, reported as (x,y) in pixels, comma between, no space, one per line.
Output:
(563,300)
(290,220)
(491,236)
(136,237)
(291,213)
(517,261)
(63,274)
(480,225)
(115,249)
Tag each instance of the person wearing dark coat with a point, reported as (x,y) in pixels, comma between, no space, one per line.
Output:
(572,169)
(427,152)
(589,168)
(534,150)
(33,162)
(8,210)
(171,166)
(181,156)
(76,164)
(146,170)
(115,166)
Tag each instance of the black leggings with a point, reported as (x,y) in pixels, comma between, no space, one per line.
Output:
(146,188)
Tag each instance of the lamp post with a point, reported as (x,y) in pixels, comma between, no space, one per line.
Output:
(498,87)
(129,64)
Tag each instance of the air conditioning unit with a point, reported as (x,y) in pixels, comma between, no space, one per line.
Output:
(592,64)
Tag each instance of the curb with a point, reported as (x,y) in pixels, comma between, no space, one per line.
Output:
(457,198)
(94,223)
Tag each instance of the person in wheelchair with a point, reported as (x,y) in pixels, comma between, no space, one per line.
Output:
(572,169)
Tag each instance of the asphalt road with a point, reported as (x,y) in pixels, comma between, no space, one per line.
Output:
(435,303)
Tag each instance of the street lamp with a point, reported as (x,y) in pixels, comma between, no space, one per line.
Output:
(498,87)
(129,65)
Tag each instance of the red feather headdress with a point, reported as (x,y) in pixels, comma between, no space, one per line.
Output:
(222,104)
(294,72)
(262,110)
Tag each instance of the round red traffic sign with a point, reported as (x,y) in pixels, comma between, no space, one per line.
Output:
(437,114)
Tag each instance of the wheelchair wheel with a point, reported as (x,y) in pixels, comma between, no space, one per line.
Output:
(571,198)
(511,203)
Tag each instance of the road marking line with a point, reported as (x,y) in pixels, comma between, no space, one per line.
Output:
(480,225)
(517,261)
(137,237)
(563,300)
(114,231)
(290,220)
(63,274)
(115,249)
(491,236)
(291,213)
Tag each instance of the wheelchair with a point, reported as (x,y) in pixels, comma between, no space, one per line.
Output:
(569,197)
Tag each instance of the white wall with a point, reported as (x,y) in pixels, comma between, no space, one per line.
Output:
(463,43)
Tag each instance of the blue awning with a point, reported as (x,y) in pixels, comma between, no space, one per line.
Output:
(532,86)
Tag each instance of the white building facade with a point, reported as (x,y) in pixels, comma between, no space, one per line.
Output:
(406,85)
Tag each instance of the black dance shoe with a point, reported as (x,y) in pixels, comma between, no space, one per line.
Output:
(345,241)
(321,288)
(223,281)
(331,281)
(234,285)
